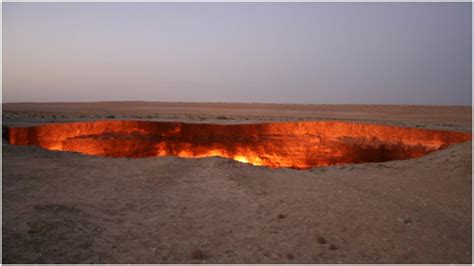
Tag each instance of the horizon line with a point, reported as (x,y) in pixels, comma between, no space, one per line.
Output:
(223,102)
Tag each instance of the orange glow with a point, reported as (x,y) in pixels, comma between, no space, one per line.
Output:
(298,145)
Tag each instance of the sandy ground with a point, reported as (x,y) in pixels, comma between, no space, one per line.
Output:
(70,208)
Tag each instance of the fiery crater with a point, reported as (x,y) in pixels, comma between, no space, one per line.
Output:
(298,145)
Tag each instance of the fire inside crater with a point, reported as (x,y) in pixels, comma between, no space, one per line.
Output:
(299,145)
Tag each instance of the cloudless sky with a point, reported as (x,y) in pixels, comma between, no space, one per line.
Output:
(322,53)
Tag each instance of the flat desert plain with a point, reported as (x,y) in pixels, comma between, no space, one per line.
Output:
(66,207)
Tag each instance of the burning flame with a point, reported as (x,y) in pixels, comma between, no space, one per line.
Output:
(291,144)
(242,159)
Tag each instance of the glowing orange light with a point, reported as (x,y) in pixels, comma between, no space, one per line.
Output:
(291,144)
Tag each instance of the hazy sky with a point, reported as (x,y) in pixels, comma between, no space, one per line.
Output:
(387,53)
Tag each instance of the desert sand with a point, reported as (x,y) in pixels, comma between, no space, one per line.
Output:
(64,207)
